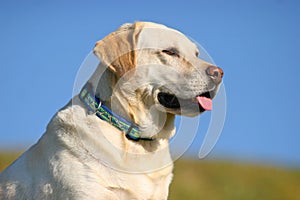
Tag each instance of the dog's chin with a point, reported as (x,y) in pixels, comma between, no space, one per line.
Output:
(181,106)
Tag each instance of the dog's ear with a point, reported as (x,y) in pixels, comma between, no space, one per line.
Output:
(118,49)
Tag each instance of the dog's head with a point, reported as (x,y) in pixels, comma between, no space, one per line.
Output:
(159,66)
(167,63)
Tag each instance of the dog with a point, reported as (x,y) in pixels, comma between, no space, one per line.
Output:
(111,141)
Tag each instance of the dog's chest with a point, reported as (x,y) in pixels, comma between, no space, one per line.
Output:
(153,185)
(113,166)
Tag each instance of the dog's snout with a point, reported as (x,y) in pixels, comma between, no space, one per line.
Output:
(216,73)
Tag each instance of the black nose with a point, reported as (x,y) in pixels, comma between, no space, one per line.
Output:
(216,73)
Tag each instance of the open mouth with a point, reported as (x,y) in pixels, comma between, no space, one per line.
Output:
(203,100)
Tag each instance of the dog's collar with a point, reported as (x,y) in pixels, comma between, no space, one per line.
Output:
(94,104)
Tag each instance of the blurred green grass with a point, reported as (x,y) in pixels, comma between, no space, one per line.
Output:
(217,180)
(222,180)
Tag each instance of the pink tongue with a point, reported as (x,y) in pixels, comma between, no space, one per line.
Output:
(205,102)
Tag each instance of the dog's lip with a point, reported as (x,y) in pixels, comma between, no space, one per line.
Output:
(171,101)
(168,100)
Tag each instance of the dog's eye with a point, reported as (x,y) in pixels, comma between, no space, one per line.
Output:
(171,52)
(197,54)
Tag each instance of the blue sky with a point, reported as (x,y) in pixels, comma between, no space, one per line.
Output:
(256,43)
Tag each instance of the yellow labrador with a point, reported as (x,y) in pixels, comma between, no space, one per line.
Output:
(111,140)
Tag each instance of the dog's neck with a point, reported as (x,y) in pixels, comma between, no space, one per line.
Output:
(126,102)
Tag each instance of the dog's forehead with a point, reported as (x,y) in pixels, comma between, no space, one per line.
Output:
(162,37)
